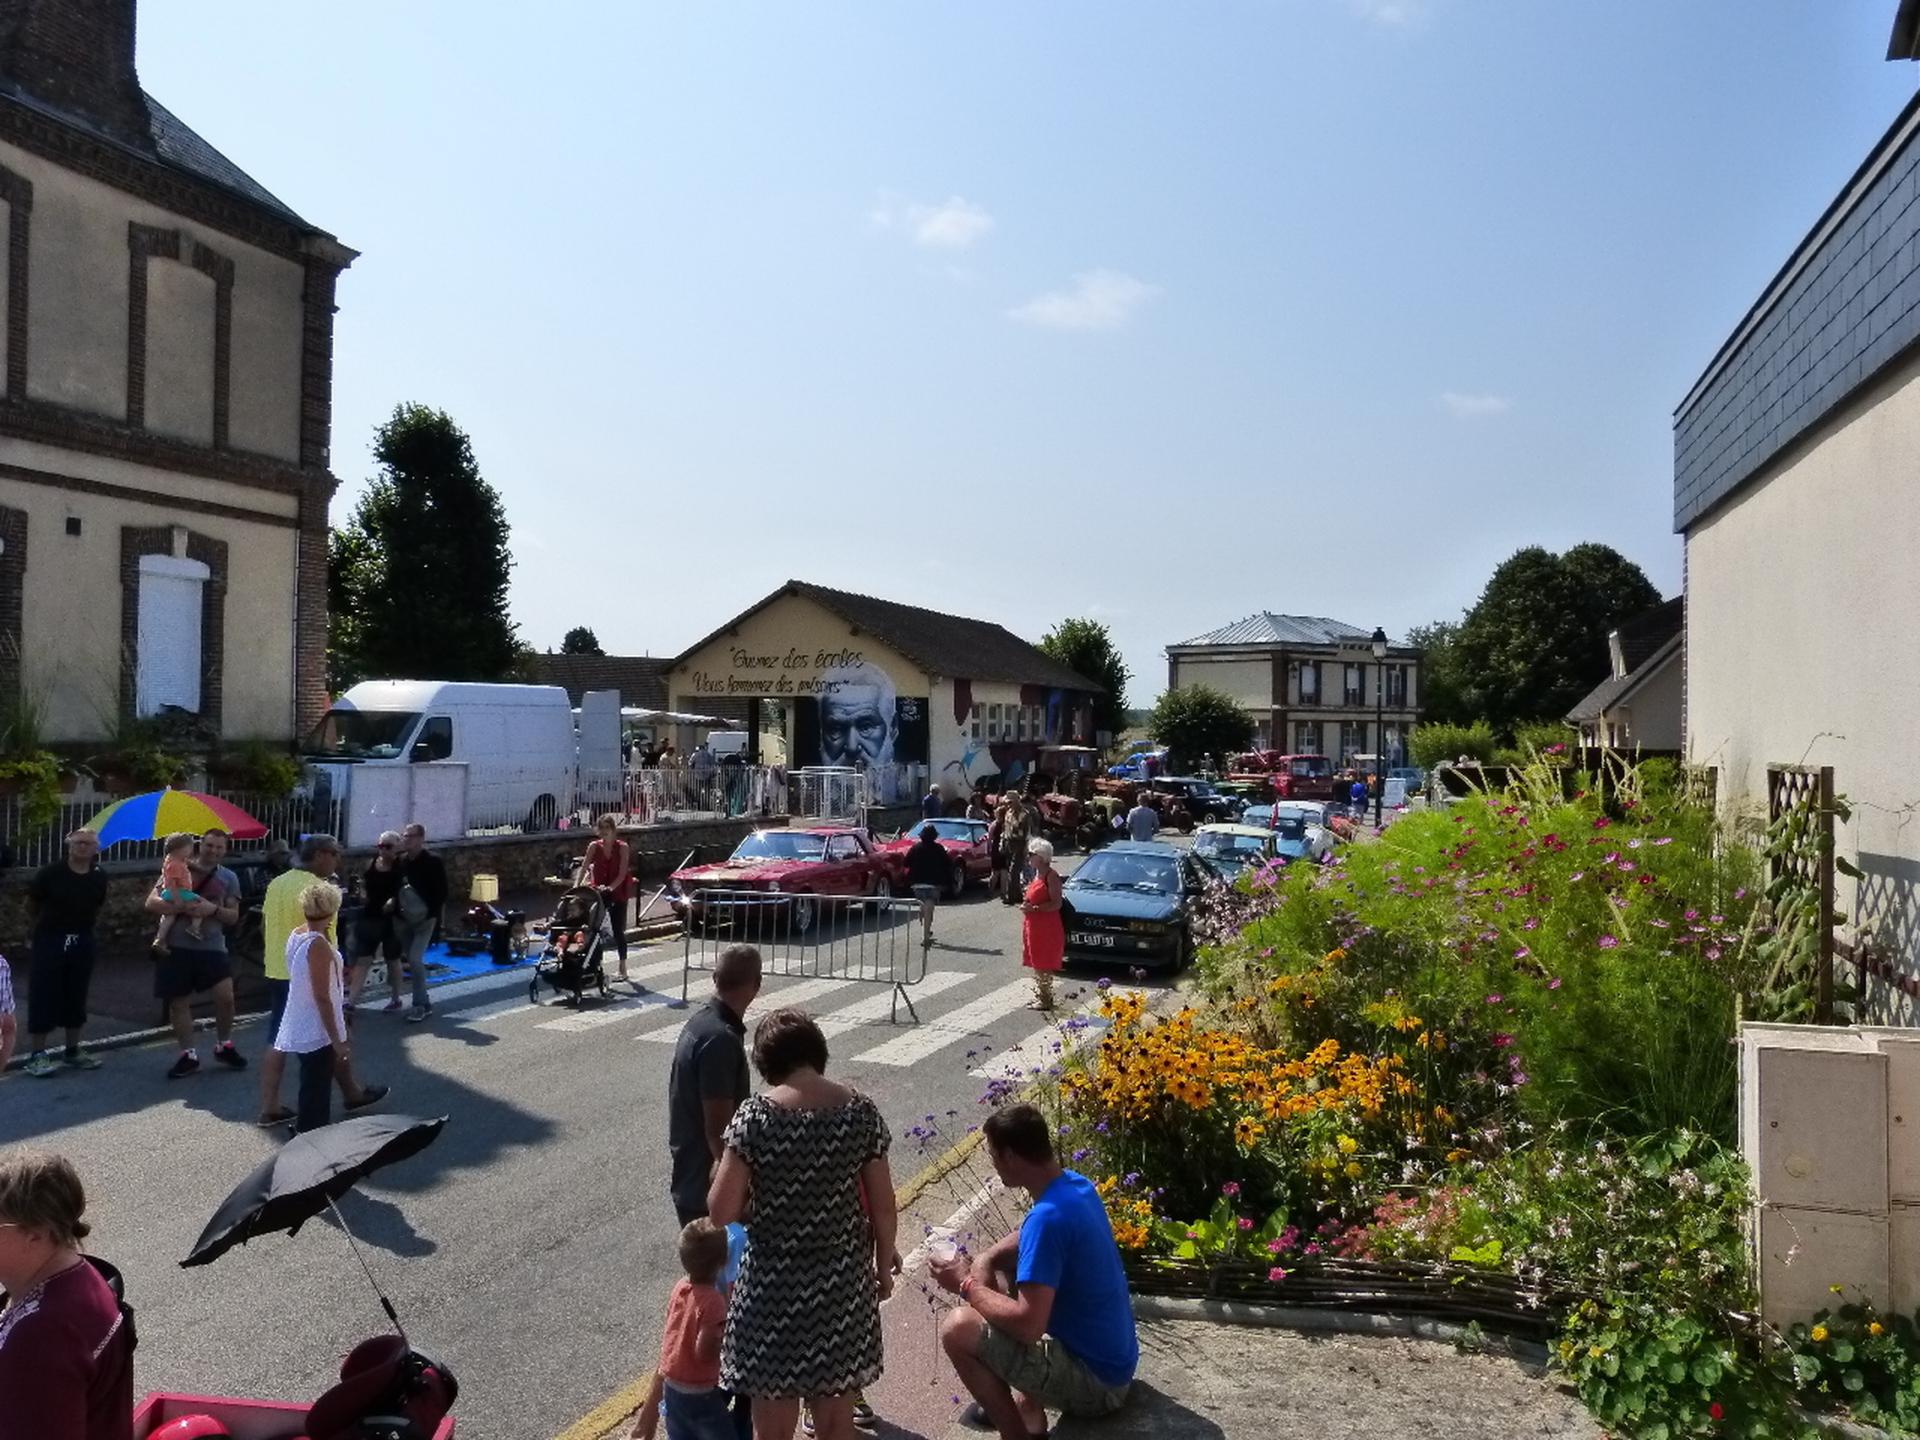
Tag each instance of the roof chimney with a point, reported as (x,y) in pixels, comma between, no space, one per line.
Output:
(76,56)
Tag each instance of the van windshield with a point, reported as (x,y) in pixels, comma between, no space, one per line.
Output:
(360,735)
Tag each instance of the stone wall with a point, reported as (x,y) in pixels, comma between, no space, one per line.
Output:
(521,861)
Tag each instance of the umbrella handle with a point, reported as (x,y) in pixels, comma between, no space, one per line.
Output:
(385,1303)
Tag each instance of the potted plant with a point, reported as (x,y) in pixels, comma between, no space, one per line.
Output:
(34,778)
(255,768)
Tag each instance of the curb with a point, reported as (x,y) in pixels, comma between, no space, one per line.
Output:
(1311,1321)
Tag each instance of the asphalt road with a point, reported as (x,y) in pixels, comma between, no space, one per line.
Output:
(532,1247)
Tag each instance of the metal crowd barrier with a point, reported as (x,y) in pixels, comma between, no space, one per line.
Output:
(875,939)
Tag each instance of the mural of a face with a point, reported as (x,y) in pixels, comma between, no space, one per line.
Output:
(857,717)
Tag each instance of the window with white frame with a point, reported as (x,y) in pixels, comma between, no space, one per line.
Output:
(993,722)
(1356,686)
(1353,739)
(1306,737)
(973,721)
(1309,682)
(167,634)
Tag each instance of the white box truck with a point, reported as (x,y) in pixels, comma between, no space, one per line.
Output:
(518,743)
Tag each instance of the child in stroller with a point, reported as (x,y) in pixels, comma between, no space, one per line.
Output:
(577,933)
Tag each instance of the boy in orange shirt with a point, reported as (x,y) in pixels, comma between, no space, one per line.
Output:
(688,1376)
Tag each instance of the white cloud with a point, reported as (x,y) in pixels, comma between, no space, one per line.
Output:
(1097,300)
(1390,14)
(1474,407)
(953,224)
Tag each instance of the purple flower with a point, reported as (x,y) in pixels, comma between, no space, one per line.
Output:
(1578,875)
(1532,922)
(1664,840)
(1230,1189)
(1522,953)
(1609,942)
(1554,983)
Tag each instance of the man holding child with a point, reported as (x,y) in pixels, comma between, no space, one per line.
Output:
(194,964)
(1046,1320)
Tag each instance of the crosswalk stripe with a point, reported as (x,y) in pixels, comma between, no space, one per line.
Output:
(803,993)
(606,1012)
(879,1005)
(949,1029)
(1047,1047)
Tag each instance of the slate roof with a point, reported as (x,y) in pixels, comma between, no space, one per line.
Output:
(1266,628)
(948,645)
(1648,631)
(640,679)
(175,144)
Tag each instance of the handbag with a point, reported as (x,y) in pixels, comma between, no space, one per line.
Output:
(413,909)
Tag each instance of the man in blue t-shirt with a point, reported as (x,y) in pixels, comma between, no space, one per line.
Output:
(1047,1321)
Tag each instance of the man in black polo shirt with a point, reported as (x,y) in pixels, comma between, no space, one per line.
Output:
(709,1078)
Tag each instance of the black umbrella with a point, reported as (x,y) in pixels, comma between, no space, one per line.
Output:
(306,1176)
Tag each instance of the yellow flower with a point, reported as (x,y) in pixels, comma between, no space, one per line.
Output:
(1876,1328)
(1819,1334)
(1347,1144)
(1454,1157)
(1353,1170)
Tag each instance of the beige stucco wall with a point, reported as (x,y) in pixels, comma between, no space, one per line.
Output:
(1652,712)
(78,342)
(781,652)
(72,597)
(1248,680)
(1802,599)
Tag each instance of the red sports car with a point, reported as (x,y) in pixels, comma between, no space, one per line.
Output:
(965,842)
(798,871)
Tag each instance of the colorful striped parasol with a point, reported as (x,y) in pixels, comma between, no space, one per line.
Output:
(159,813)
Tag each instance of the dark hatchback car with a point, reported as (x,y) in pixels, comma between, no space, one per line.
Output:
(1130,903)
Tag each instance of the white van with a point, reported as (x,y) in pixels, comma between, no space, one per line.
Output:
(517,741)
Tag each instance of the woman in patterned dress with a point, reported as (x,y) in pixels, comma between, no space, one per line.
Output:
(804,1320)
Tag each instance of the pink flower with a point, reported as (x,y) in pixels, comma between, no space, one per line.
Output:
(1554,983)
(1502,1040)
(1602,823)
(1664,840)
(1276,1274)
(1609,942)
(1230,1189)
(1245,1223)
(1274,1247)
(1741,893)
(1495,999)
(1313,1249)
(1578,875)
(1522,953)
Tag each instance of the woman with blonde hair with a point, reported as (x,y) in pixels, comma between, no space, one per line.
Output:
(1043,929)
(314,1029)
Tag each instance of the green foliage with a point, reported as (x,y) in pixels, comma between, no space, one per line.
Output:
(1536,640)
(418,576)
(259,769)
(1539,740)
(36,775)
(1086,648)
(1196,720)
(581,641)
(1852,1358)
(1443,698)
(1433,745)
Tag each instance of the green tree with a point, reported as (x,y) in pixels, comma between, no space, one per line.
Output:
(1536,640)
(1086,648)
(418,575)
(1439,743)
(581,641)
(1442,698)
(1196,720)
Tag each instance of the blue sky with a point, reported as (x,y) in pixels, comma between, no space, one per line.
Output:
(1161,314)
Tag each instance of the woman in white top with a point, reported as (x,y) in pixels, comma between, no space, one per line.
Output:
(315,1025)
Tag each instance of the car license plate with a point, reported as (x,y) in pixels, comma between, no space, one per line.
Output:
(1091,937)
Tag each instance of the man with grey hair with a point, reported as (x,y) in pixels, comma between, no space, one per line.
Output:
(858,724)
(66,897)
(280,916)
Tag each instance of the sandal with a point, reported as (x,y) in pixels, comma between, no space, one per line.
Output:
(281,1116)
(974,1417)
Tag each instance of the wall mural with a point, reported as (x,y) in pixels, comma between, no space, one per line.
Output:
(855,717)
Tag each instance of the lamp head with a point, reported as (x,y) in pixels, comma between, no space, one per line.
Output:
(1379,643)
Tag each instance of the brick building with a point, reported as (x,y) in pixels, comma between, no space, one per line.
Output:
(165,403)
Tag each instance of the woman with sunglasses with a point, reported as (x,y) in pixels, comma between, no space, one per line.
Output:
(373,929)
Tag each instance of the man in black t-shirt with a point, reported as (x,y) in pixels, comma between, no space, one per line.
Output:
(709,1078)
(66,897)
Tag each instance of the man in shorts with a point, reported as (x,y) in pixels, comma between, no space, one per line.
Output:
(1046,1321)
(200,966)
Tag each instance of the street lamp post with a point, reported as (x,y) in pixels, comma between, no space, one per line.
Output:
(1379,643)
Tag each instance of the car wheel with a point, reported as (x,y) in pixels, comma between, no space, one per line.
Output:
(959,886)
(882,888)
(1184,822)
(804,914)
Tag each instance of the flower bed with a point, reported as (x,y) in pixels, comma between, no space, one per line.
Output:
(1480,1064)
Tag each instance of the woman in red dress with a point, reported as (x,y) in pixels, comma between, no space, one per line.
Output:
(609,866)
(1044,933)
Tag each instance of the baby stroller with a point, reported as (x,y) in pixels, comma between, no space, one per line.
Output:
(577,935)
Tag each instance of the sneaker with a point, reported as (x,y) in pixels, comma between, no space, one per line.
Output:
(394,1004)
(418,1013)
(186,1065)
(280,1116)
(225,1054)
(370,1095)
(41,1065)
(80,1060)
(863,1416)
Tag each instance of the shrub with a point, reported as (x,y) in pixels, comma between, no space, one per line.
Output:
(1433,745)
